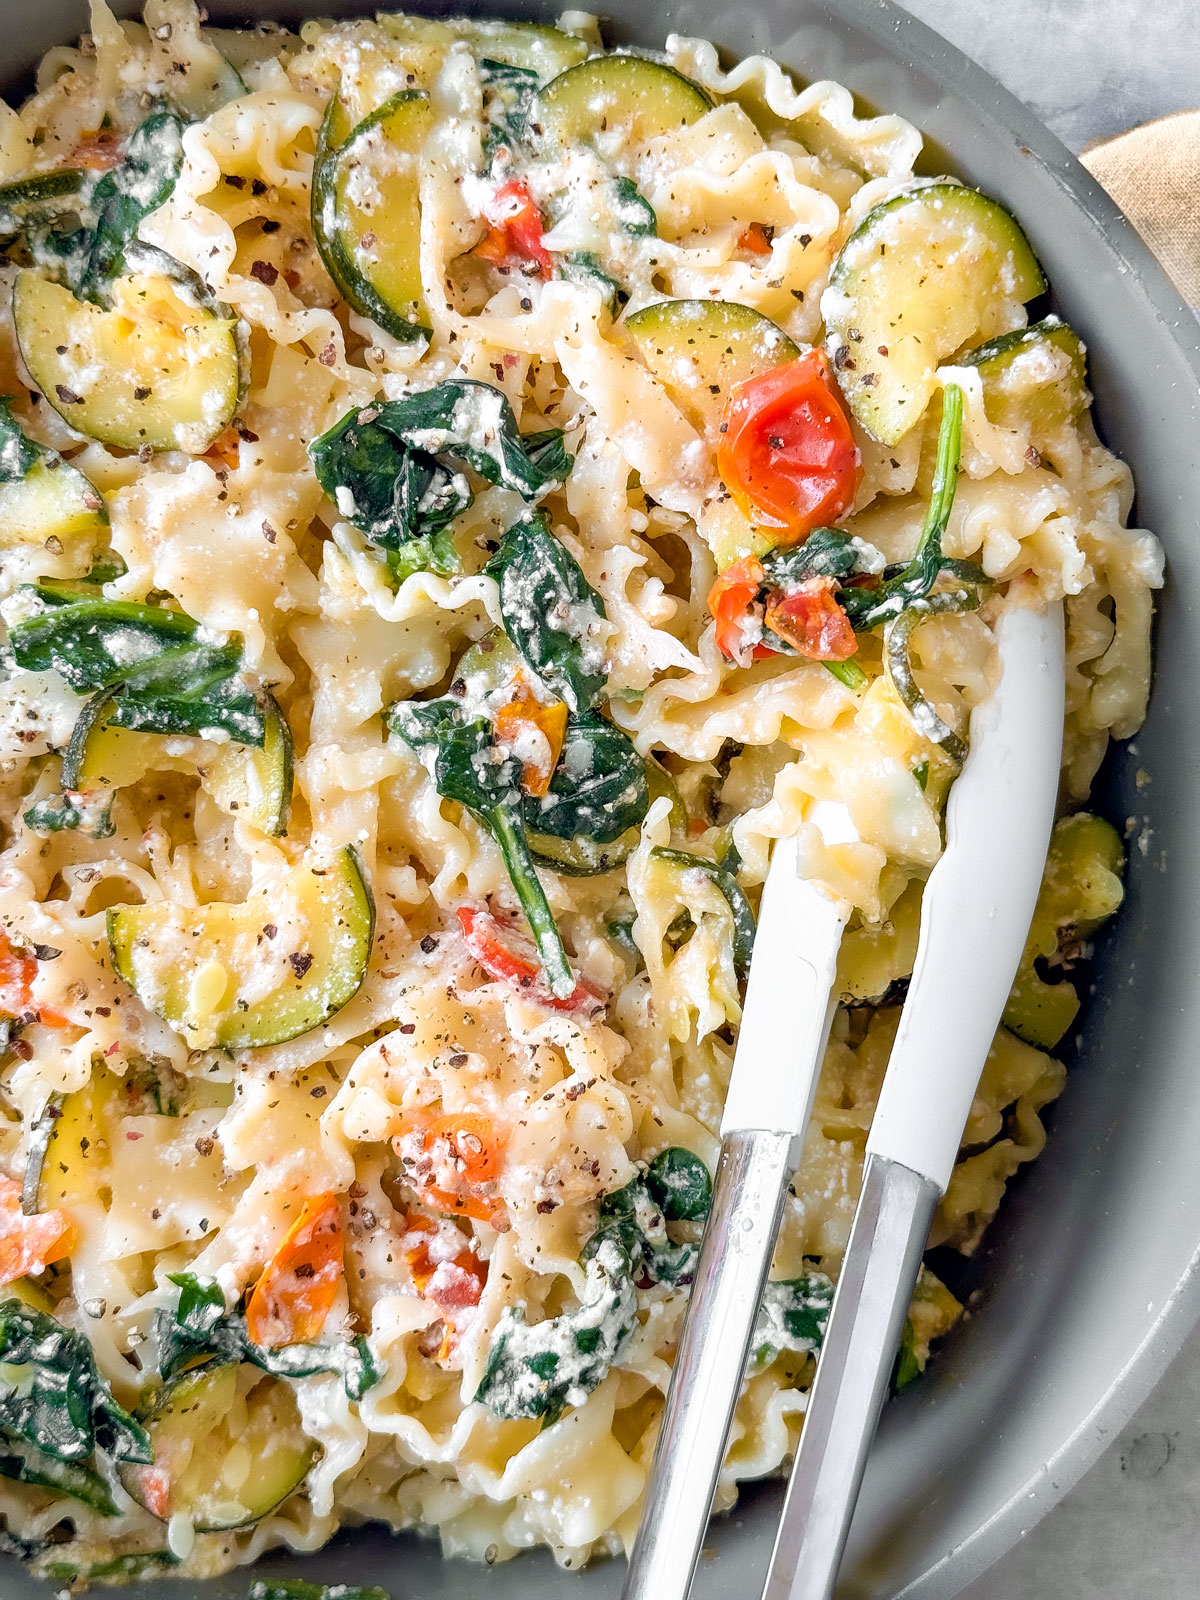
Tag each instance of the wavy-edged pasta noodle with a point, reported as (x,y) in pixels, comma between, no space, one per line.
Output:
(244,541)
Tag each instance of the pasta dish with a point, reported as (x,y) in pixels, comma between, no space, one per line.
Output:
(464,493)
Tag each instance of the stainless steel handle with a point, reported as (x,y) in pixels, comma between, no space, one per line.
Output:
(874,1289)
(735,1258)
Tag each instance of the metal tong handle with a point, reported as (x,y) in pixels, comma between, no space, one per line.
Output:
(735,1258)
(882,1258)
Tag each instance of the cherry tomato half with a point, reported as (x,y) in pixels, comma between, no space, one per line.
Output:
(811,621)
(787,453)
(515,230)
(511,960)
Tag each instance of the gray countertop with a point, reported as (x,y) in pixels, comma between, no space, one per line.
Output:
(1129,1530)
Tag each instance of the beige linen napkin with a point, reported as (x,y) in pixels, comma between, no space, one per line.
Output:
(1153,173)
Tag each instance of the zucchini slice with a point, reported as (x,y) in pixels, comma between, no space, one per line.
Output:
(531,46)
(698,350)
(366,210)
(924,273)
(74,1156)
(604,94)
(1036,374)
(255,784)
(228,1448)
(43,497)
(160,369)
(241,976)
(251,783)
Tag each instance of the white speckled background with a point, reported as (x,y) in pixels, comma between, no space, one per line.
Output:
(1131,1529)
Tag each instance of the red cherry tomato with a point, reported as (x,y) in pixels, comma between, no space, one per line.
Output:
(299,1284)
(811,621)
(453,1161)
(452,1280)
(733,602)
(787,453)
(515,230)
(30,1243)
(501,957)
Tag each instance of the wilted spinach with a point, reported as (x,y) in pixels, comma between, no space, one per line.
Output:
(200,1328)
(507,94)
(599,787)
(539,1369)
(551,612)
(793,1316)
(55,1405)
(395,470)
(633,211)
(106,209)
(165,674)
(466,765)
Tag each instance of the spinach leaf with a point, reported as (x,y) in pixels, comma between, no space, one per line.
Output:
(599,787)
(131,190)
(634,213)
(394,470)
(23,1463)
(793,1316)
(133,1564)
(466,765)
(744,925)
(678,1183)
(200,1328)
(18,453)
(507,94)
(550,611)
(168,676)
(53,1397)
(868,608)
(584,267)
(106,210)
(401,499)
(675,1187)
(539,1369)
(65,810)
(826,553)
(298,1589)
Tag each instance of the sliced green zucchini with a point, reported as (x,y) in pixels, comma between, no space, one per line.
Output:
(532,46)
(252,783)
(228,1448)
(1036,375)
(603,94)
(158,370)
(32,202)
(366,210)
(924,273)
(210,84)
(74,1158)
(1081,889)
(698,350)
(256,973)
(255,784)
(43,497)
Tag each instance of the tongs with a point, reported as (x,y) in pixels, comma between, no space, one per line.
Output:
(976,913)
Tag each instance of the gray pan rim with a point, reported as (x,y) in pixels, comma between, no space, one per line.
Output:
(997,142)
